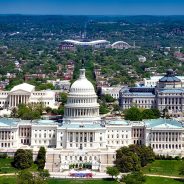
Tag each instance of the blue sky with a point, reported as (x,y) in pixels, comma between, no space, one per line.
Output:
(93,7)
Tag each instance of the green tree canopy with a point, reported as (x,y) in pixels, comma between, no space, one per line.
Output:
(107,98)
(41,158)
(133,114)
(23,159)
(30,111)
(135,178)
(127,160)
(25,177)
(112,171)
(145,153)
(103,108)
(63,98)
(147,114)
(136,114)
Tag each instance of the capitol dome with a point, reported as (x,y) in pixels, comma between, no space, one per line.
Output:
(82,85)
(81,106)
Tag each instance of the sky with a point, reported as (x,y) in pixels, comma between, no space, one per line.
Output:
(92,7)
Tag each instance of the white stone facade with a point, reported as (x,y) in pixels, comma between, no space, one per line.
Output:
(24,94)
(113,91)
(83,137)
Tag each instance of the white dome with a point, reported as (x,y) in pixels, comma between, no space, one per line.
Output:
(82,105)
(82,84)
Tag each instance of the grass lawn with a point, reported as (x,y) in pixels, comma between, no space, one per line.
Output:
(5,165)
(7,179)
(149,180)
(158,180)
(164,167)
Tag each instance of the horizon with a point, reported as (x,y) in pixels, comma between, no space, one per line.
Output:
(95,15)
(95,7)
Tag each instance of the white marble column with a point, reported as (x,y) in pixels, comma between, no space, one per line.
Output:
(10,101)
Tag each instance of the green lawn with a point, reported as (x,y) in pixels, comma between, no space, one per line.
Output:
(5,165)
(7,179)
(164,167)
(158,180)
(78,181)
(149,180)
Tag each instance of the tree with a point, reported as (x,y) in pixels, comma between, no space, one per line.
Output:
(145,153)
(30,111)
(23,159)
(25,177)
(156,113)
(41,158)
(44,174)
(135,178)
(133,114)
(147,114)
(64,97)
(126,160)
(107,98)
(116,107)
(112,171)
(166,113)
(103,109)
(14,112)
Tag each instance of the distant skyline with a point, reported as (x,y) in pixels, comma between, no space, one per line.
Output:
(92,7)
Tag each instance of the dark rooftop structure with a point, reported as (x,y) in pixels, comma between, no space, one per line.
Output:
(169,77)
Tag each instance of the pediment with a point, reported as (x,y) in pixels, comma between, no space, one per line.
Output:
(20,92)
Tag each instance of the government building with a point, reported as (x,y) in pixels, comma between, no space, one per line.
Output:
(24,94)
(83,137)
(168,94)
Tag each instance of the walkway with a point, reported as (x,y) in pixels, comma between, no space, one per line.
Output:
(164,176)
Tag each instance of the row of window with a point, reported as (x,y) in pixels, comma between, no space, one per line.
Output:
(38,93)
(43,142)
(117,136)
(166,146)
(6,145)
(89,100)
(117,131)
(45,135)
(117,142)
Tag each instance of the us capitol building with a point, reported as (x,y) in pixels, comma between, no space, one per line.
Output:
(83,137)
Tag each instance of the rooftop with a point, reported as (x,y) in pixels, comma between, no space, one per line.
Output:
(23,86)
(82,126)
(117,122)
(5,122)
(163,123)
(170,77)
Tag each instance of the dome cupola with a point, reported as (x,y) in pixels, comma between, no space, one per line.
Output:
(82,106)
(82,85)
(170,80)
